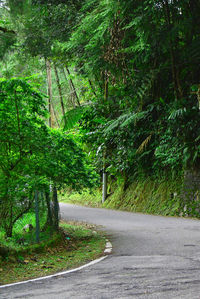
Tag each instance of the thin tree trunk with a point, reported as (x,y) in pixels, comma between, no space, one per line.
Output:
(72,99)
(37,217)
(92,87)
(9,229)
(105,176)
(59,90)
(177,85)
(106,90)
(56,208)
(100,85)
(54,112)
(104,186)
(49,212)
(74,89)
(48,68)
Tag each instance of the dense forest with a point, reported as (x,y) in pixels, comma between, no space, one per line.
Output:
(93,87)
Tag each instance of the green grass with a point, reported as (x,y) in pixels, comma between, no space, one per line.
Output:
(18,232)
(86,198)
(29,239)
(148,196)
(28,218)
(76,245)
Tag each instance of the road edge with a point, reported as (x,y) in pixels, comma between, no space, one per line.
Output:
(107,251)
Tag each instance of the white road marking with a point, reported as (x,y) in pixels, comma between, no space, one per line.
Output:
(107,250)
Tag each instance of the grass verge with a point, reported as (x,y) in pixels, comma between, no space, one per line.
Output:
(86,198)
(74,246)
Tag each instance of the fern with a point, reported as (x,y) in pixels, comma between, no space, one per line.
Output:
(125,120)
(113,124)
(73,116)
(177,113)
(134,118)
(145,86)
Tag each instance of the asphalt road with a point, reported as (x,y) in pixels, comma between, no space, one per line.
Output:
(153,257)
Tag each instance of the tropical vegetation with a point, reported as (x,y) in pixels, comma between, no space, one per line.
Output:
(98,86)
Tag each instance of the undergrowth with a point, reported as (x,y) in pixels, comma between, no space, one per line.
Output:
(86,198)
(147,196)
(159,198)
(73,246)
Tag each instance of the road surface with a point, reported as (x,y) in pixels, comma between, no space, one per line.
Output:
(153,257)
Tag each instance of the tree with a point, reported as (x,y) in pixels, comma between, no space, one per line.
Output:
(140,61)
(7,34)
(148,82)
(21,109)
(32,155)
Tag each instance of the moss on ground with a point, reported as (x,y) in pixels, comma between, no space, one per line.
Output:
(148,196)
(159,198)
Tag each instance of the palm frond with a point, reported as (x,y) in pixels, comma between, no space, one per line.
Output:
(113,124)
(177,113)
(125,120)
(134,118)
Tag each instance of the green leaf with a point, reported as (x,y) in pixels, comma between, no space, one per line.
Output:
(73,116)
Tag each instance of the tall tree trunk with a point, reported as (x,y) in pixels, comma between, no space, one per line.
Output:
(37,217)
(56,118)
(106,88)
(73,87)
(9,226)
(105,175)
(175,75)
(59,90)
(55,208)
(49,211)
(104,186)
(48,68)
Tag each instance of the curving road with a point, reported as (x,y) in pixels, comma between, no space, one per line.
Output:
(153,257)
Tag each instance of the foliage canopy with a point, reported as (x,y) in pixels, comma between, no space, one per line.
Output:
(132,68)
